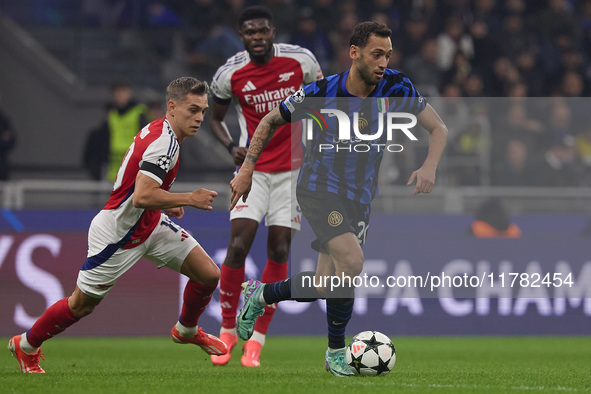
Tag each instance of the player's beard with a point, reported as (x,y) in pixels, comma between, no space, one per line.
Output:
(261,58)
(366,74)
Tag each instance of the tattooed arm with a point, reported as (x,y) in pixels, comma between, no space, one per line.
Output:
(242,182)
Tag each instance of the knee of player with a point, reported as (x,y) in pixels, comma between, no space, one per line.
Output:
(212,276)
(352,265)
(237,252)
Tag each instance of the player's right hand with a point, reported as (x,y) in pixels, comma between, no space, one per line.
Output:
(240,186)
(203,198)
(238,154)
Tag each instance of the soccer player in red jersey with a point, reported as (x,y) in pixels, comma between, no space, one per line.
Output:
(135,223)
(256,80)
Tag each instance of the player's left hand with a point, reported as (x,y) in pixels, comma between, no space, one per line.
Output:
(425,177)
(176,213)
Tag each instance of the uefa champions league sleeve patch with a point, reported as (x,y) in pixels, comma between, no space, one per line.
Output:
(157,170)
(298,97)
(164,162)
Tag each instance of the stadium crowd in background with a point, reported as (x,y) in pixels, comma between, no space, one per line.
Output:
(473,49)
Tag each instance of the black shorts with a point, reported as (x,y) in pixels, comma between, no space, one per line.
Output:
(331,215)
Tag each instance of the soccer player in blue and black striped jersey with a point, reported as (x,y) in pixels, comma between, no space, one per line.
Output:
(338,178)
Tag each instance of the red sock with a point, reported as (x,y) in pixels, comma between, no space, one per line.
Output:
(273,272)
(230,283)
(54,320)
(195,298)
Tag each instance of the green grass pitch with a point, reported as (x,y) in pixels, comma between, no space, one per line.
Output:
(296,365)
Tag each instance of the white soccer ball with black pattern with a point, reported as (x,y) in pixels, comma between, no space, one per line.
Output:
(371,353)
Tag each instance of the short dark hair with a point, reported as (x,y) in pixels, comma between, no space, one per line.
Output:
(178,89)
(364,30)
(255,12)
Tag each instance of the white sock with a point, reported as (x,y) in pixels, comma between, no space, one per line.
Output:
(257,336)
(186,332)
(262,299)
(230,330)
(25,345)
(335,350)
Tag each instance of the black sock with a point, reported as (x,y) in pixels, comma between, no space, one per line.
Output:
(299,287)
(338,314)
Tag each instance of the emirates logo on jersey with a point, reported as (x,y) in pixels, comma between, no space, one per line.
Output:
(268,99)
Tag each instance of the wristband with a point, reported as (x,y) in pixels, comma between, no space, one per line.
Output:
(231,146)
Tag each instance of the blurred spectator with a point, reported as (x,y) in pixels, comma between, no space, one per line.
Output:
(452,40)
(459,70)
(415,32)
(531,74)
(559,123)
(380,17)
(110,13)
(473,86)
(572,84)
(452,107)
(502,75)
(583,144)
(125,117)
(158,14)
(340,41)
(518,122)
(232,10)
(422,68)
(487,13)
(573,89)
(486,48)
(388,8)
(208,40)
(559,165)
(284,15)
(572,60)
(585,15)
(492,221)
(325,15)
(558,19)
(513,168)
(157,109)
(515,36)
(96,150)
(7,143)
(517,89)
(583,141)
(514,7)
(308,36)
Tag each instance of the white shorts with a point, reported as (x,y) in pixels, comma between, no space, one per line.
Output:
(167,246)
(272,196)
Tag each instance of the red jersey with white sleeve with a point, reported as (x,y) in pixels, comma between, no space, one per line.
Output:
(155,153)
(258,88)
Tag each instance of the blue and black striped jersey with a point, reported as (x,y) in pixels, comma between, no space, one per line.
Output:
(348,168)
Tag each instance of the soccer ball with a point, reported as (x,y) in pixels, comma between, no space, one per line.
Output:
(371,353)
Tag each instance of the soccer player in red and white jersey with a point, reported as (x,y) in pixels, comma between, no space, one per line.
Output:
(135,223)
(256,80)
